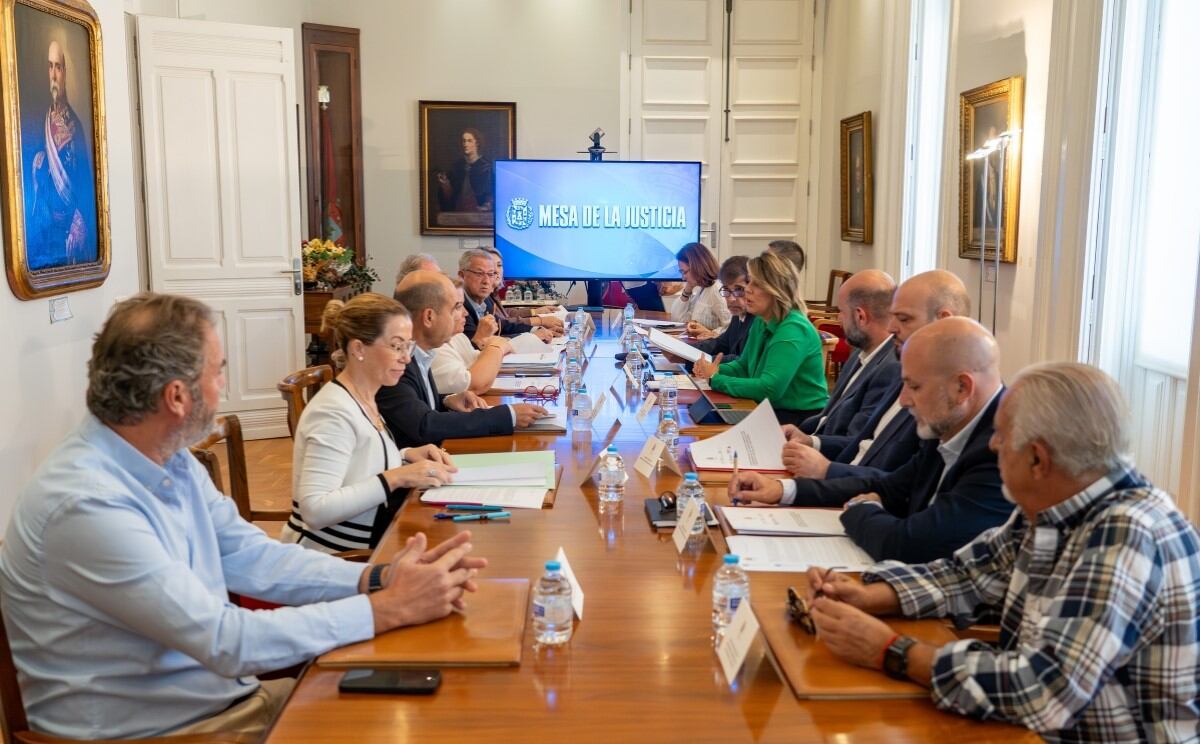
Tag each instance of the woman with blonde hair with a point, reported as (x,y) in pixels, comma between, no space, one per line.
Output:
(781,361)
(700,304)
(348,476)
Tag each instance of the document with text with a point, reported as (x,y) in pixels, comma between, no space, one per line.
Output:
(757,441)
(677,347)
(784,521)
(798,554)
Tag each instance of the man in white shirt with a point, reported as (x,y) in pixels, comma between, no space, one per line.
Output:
(459,366)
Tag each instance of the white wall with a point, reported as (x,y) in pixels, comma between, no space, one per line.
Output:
(43,397)
(557,60)
(992,41)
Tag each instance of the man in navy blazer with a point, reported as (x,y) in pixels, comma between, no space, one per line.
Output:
(889,437)
(950,491)
(477,268)
(413,409)
(864,310)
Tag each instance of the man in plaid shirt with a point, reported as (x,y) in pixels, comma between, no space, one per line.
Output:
(1095,581)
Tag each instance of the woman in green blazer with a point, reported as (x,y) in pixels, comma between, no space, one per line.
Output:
(782,361)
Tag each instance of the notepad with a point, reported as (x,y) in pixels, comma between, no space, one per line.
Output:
(784,521)
(798,554)
(677,347)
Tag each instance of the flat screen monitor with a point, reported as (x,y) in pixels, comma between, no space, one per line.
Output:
(577,219)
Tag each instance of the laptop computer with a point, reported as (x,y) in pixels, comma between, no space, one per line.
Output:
(705,411)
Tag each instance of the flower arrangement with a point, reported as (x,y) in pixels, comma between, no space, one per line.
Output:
(327,265)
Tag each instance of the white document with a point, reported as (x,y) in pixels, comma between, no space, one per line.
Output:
(757,440)
(784,521)
(798,554)
(527,343)
(737,640)
(517,383)
(513,497)
(647,404)
(517,474)
(677,347)
(646,322)
(535,359)
(576,589)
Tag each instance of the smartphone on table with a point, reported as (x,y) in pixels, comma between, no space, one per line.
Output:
(391,681)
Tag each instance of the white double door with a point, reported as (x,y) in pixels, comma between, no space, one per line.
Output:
(222,195)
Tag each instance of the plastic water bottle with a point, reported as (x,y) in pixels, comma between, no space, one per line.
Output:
(635,363)
(528,294)
(628,311)
(730,587)
(571,377)
(552,611)
(581,319)
(690,490)
(581,406)
(668,395)
(668,433)
(627,337)
(572,332)
(574,349)
(612,476)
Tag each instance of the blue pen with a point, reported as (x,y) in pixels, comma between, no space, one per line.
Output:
(480,517)
(474,507)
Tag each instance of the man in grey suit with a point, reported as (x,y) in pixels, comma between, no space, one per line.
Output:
(888,439)
(864,310)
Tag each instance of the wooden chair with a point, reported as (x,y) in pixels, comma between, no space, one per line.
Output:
(229,430)
(299,387)
(15,727)
(836,278)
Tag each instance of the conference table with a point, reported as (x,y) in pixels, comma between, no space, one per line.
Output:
(641,666)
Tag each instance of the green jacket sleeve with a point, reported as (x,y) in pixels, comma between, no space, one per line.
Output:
(779,362)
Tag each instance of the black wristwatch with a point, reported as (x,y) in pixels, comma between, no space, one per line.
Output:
(375,578)
(895,658)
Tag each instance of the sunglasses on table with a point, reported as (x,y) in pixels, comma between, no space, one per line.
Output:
(800,611)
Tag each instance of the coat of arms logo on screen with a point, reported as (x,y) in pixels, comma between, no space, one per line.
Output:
(519,214)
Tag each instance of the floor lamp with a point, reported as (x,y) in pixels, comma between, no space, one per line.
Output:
(998,144)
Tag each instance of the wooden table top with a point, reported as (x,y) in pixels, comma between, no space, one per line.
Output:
(641,665)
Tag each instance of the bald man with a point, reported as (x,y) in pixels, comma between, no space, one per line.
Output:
(414,410)
(888,439)
(949,492)
(864,310)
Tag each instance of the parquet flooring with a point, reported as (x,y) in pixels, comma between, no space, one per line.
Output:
(269,471)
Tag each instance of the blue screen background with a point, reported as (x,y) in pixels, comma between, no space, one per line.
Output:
(595,252)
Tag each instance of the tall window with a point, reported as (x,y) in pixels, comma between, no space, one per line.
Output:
(929,44)
(1151,225)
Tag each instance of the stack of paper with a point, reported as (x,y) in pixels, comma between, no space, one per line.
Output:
(756,440)
(647,323)
(534,363)
(783,521)
(518,383)
(527,343)
(797,554)
(518,480)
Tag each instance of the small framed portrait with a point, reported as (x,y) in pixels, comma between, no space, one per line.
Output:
(55,168)
(459,143)
(989,200)
(858,181)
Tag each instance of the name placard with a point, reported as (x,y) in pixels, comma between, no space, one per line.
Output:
(647,404)
(738,637)
(683,525)
(647,460)
(576,589)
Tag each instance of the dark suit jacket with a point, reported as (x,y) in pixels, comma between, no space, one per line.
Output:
(895,445)
(730,342)
(913,526)
(412,422)
(851,406)
(508,326)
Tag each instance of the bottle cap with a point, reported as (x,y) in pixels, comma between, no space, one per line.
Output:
(730,559)
(691,477)
(612,448)
(556,566)
(668,414)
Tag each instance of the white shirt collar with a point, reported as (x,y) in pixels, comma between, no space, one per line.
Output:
(952,448)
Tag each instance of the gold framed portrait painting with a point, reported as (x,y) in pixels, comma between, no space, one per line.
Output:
(459,142)
(858,182)
(55,168)
(985,113)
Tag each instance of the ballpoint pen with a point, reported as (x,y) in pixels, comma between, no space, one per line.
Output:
(733,480)
(480,517)
(473,507)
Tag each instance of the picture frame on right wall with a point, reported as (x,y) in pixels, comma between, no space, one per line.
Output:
(858,182)
(984,113)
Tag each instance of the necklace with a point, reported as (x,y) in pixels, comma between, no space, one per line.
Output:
(368,408)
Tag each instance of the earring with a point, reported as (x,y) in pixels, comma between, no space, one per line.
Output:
(360,358)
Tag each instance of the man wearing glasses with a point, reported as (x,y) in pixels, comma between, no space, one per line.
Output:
(477,268)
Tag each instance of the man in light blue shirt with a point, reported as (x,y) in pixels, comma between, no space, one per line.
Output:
(120,555)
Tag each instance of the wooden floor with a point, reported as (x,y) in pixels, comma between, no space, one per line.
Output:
(269,470)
